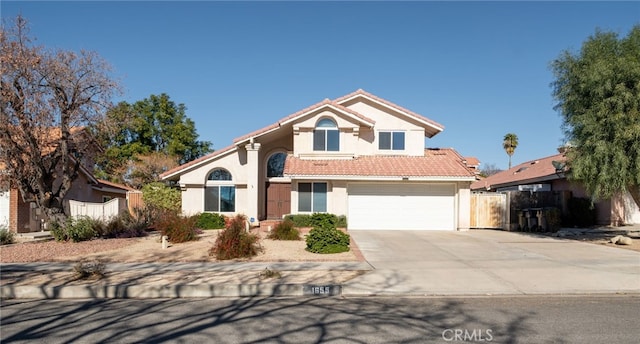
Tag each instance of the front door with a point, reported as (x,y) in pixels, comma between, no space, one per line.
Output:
(278,200)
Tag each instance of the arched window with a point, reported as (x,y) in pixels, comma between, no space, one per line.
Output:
(275,165)
(219,195)
(219,174)
(326,136)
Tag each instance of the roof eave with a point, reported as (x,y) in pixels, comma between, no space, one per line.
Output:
(169,175)
(546,178)
(383,178)
(438,128)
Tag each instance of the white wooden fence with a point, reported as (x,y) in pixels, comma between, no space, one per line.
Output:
(99,211)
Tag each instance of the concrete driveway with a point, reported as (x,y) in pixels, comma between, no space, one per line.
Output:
(485,262)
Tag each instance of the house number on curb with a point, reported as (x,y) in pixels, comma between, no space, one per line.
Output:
(321,290)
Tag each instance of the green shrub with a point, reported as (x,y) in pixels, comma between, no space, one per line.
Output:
(300,220)
(327,240)
(342,221)
(285,231)
(210,221)
(318,219)
(81,229)
(6,236)
(124,226)
(58,231)
(78,229)
(235,242)
(160,198)
(176,227)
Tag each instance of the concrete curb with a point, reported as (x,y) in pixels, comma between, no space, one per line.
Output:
(169,291)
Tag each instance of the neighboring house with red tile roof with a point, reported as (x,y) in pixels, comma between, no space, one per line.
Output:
(357,155)
(548,174)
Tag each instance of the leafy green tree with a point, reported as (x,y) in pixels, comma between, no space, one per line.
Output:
(161,197)
(598,96)
(152,125)
(509,143)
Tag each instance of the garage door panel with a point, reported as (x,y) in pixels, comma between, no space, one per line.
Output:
(401,206)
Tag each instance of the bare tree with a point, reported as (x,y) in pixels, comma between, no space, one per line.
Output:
(147,168)
(489,169)
(46,98)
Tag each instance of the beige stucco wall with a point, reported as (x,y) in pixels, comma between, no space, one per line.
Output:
(237,164)
(463,205)
(356,139)
(625,210)
(414,134)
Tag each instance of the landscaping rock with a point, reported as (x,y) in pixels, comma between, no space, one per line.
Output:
(565,233)
(624,241)
(615,239)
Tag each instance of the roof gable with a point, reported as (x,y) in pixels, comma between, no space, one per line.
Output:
(197,162)
(431,127)
(325,104)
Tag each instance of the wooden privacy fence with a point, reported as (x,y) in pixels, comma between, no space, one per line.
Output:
(134,201)
(99,211)
(489,210)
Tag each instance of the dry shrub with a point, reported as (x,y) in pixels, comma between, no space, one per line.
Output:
(234,242)
(89,270)
(176,227)
(285,231)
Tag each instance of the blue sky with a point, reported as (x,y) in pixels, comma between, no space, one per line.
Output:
(479,68)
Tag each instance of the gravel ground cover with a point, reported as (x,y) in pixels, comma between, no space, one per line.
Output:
(149,249)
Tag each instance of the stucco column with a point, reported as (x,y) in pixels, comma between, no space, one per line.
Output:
(464,206)
(252,181)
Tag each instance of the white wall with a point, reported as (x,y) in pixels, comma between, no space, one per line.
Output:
(631,210)
(4,208)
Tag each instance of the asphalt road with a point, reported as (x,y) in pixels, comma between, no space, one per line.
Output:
(540,319)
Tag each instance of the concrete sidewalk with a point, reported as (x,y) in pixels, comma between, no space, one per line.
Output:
(176,280)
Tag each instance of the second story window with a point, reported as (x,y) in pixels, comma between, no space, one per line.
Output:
(326,136)
(391,140)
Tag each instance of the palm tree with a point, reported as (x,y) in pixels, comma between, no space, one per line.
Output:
(509,144)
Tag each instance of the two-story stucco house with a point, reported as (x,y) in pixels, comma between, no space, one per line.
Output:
(358,155)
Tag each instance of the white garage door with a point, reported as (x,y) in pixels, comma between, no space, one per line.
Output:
(401,206)
(4,208)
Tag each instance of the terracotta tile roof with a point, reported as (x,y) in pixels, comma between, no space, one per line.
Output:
(361,92)
(114,185)
(317,106)
(472,161)
(201,159)
(445,163)
(529,172)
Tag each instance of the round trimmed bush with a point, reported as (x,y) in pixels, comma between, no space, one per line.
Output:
(327,240)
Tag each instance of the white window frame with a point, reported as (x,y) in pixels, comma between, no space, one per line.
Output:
(312,199)
(325,132)
(391,140)
(209,184)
